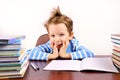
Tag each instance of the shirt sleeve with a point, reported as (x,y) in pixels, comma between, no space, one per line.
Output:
(39,53)
(80,52)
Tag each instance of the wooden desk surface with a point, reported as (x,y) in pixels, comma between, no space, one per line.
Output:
(66,75)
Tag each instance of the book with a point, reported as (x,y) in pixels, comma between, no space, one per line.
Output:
(116,48)
(14,70)
(13,66)
(114,44)
(116,57)
(9,53)
(10,64)
(21,55)
(10,38)
(4,47)
(10,68)
(115,36)
(95,64)
(115,41)
(14,73)
(115,61)
(118,66)
(9,59)
(116,52)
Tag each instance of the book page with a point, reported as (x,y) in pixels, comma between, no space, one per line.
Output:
(73,65)
(98,64)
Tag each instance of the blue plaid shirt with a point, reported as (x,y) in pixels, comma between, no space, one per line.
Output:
(77,51)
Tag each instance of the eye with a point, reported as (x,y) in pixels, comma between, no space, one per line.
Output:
(52,35)
(62,34)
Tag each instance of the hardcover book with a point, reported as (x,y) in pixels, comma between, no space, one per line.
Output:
(9,53)
(12,69)
(5,47)
(10,39)
(14,73)
(115,36)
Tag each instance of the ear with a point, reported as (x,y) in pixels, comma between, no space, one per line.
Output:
(71,35)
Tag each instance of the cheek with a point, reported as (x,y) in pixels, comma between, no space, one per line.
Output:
(66,38)
(51,40)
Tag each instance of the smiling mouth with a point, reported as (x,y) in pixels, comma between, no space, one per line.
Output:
(59,46)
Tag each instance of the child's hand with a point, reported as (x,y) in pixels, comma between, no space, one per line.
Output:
(62,51)
(55,54)
(53,46)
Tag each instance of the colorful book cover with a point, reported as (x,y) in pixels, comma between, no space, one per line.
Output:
(116,57)
(9,59)
(10,47)
(115,41)
(10,68)
(21,55)
(115,61)
(10,38)
(115,36)
(10,64)
(14,73)
(116,48)
(14,69)
(9,53)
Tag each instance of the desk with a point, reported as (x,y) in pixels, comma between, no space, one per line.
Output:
(66,75)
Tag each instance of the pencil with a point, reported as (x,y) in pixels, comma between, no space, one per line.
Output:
(33,66)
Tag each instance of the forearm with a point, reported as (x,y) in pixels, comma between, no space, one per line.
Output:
(51,56)
(35,54)
(80,54)
(66,55)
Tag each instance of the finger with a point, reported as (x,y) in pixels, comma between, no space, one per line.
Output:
(52,45)
(67,42)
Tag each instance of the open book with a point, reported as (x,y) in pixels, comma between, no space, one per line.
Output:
(96,64)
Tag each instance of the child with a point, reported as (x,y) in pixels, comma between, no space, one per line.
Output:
(62,42)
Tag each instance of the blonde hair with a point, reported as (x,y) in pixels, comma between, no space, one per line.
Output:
(57,17)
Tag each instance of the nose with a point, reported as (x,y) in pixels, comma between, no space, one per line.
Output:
(57,38)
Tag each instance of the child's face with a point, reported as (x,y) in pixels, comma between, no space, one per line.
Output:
(58,34)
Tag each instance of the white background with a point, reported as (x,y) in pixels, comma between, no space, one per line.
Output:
(94,20)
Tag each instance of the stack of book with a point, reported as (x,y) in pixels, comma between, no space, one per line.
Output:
(13,60)
(115,38)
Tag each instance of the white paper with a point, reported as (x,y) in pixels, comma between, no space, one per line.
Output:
(97,64)
(63,65)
